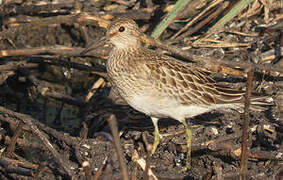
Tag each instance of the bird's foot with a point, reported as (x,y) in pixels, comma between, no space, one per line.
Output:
(156,141)
(189,144)
(187,167)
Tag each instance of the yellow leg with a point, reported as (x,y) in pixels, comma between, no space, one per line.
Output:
(156,135)
(189,144)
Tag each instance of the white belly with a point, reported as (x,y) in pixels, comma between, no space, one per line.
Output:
(165,107)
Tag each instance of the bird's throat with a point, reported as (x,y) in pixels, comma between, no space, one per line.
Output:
(122,59)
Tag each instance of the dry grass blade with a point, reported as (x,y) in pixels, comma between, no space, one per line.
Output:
(243,170)
(169,18)
(141,162)
(242,4)
(213,4)
(114,129)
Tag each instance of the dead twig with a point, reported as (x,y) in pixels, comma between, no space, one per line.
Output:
(23,143)
(11,66)
(243,166)
(87,170)
(215,3)
(53,61)
(94,87)
(23,164)
(62,97)
(114,130)
(60,160)
(210,64)
(47,92)
(218,171)
(205,21)
(222,44)
(52,50)
(63,19)
(100,170)
(11,168)
(13,141)
(147,162)
(141,162)
(54,8)
(4,76)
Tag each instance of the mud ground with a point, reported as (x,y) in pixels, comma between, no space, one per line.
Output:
(217,135)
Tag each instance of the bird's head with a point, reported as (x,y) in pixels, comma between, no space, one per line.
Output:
(123,33)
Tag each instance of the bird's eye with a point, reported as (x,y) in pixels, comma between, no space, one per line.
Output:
(121,29)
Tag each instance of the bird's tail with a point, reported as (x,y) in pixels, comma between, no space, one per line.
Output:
(261,103)
(257,102)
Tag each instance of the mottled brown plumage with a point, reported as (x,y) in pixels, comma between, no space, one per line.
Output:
(165,84)
(158,85)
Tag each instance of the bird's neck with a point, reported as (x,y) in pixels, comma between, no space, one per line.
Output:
(125,52)
(123,58)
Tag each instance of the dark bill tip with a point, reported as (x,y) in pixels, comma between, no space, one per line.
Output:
(93,45)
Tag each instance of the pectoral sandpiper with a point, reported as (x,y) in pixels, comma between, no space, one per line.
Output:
(161,86)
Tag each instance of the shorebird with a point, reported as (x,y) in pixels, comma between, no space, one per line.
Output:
(161,86)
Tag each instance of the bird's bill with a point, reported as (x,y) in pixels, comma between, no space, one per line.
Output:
(93,45)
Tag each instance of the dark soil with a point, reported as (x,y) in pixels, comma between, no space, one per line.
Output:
(52,90)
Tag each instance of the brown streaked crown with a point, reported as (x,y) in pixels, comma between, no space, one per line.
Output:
(130,28)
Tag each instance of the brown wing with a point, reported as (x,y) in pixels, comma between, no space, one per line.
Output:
(188,84)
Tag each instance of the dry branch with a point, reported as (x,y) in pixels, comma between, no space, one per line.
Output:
(208,63)
(61,161)
(141,162)
(15,65)
(243,170)
(13,141)
(114,129)
(53,50)
(50,8)
(11,168)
